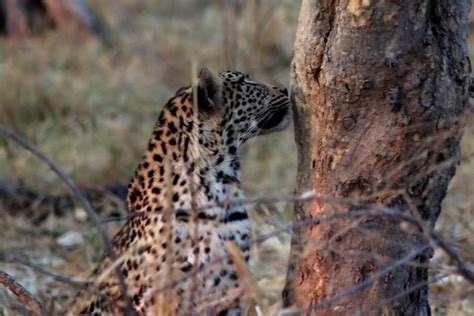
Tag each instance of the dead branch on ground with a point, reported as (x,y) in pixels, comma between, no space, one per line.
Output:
(23,295)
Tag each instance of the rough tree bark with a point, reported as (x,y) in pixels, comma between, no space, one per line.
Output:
(380,91)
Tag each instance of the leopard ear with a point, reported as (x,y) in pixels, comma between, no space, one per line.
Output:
(209,92)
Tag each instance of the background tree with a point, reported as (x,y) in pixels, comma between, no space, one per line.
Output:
(20,18)
(380,91)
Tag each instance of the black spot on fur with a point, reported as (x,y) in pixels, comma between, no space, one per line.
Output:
(173,110)
(175,197)
(237,216)
(172,127)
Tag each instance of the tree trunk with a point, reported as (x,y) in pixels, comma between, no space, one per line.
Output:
(380,90)
(15,22)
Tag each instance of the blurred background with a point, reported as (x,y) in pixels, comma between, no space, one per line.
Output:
(89,100)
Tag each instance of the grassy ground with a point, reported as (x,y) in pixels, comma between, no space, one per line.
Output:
(91,109)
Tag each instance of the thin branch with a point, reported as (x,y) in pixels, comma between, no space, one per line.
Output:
(399,295)
(60,278)
(360,286)
(380,212)
(7,132)
(374,211)
(56,277)
(461,266)
(23,295)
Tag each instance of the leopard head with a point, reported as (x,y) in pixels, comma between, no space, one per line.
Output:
(241,107)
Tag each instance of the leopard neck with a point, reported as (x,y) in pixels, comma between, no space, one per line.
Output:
(191,150)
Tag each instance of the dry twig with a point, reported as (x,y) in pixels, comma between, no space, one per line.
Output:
(23,295)
(7,132)
(380,274)
(366,210)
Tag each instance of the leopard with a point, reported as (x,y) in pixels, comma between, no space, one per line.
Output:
(186,241)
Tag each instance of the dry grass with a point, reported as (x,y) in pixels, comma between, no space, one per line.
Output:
(91,109)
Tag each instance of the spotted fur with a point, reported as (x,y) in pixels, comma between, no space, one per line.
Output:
(174,249)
